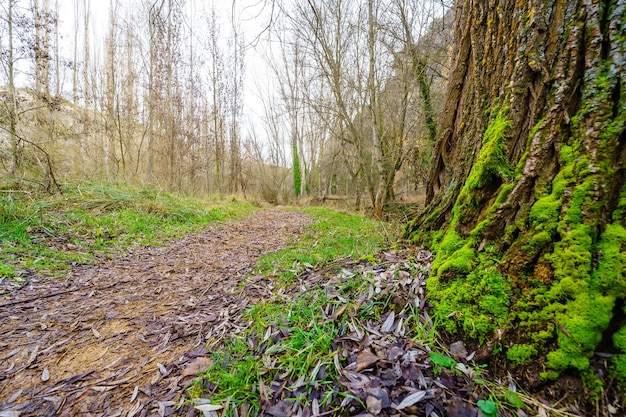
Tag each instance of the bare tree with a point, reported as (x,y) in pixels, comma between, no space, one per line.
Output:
(11,100)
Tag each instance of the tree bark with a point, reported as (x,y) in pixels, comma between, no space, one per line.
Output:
(528,184)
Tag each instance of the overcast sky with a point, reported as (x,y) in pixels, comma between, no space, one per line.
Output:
(252,16)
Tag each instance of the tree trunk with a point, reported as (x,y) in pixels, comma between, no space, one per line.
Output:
(16,143)
(531,255)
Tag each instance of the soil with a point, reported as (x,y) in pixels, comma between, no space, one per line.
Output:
(125,337)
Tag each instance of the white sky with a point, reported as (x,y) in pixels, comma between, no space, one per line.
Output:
(251,15)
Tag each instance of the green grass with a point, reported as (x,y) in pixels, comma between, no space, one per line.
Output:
(45,234)
(238,369)
(332,235)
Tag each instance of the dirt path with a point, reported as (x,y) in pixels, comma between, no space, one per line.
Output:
(122,337)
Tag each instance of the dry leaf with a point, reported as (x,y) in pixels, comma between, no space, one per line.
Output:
(208,407)
(45,375)
(262,390)
(337,313)
(411,400)
(365,359)
(461,367)
(458,351)
(95,333)
(162,368)
(374,405)
(196,366)
(136,409)
(268,333)
(315,408)
(388,324)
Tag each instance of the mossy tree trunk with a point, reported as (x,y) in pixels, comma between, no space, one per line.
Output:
(526,197)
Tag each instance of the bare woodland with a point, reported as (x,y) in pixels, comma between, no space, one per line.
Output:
(349,106)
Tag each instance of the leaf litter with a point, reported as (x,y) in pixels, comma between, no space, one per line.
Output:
(384,362)
(127,336)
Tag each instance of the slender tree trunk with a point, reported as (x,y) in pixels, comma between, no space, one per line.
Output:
(57,58)
(16,143)
(534,214)
(75,60)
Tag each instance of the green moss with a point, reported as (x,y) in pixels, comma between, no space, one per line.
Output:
(610,275)
(521,354)
(618,367)
(476,303)
(461,261)
(544,213)
(582,325)
(618,361)
(588,271)
(451,241)
(492,163)
(468,291)
(540,240)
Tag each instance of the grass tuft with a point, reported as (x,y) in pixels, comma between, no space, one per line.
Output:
(332,235)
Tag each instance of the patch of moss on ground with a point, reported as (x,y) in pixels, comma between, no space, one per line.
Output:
(521,354)
(476,303)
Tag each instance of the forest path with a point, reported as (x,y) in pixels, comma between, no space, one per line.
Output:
(126,336)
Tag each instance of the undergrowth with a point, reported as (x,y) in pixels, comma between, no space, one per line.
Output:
(47,234)
(300,330)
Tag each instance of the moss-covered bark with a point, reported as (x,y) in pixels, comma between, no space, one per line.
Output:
(529,223)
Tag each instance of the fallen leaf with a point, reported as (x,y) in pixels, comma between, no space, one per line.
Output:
(365,359)
(135,392)
(45,375)
(268,333)
(337,313)
(374,405)
(33,355)
(394,353)
(262,390)
(458,351)
(211,317)
(461,367)
(411,399)
(388,324)
(14,397)
(208,407)
(196,366)
(315,408)
(136,409)
(201,351)
(95,332)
